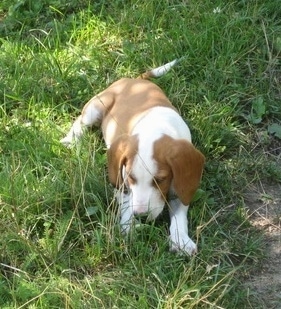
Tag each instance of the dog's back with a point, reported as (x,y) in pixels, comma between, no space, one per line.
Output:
(131,100)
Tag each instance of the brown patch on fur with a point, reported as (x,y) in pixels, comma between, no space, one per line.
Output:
(183,161)
(122,105)
(131,100)
(121,153)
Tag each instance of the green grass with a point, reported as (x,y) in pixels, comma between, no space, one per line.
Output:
(60,243)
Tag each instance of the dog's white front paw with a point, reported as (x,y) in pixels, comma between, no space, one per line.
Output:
(182,244)
(125,228)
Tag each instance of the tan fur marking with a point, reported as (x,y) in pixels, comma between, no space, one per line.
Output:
(132,99)
(121,153)
(183,161)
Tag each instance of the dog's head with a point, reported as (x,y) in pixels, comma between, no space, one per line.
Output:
(149,173)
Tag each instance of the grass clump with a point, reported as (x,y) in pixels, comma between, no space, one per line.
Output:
(60,244)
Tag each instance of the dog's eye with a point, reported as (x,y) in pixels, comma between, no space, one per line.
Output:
(131,179)
(159,180)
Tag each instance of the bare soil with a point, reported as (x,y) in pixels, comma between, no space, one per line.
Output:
(264,205)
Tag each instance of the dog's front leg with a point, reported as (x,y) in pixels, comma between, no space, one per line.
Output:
(126,211)
(179,239)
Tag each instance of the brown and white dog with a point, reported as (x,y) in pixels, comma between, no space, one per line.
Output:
(151,160)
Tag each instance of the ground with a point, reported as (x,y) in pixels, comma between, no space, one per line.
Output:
(263,201)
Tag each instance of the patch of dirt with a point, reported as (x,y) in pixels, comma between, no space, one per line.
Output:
(264,204)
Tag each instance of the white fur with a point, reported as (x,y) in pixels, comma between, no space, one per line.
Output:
(75,132)
(161,120)
(126,211)
(157,122)
(178,228)
(157,72)
(92,117)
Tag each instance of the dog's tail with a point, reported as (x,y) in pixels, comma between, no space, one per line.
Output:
(157,72)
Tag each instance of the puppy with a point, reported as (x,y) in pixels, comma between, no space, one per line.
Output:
(151,160)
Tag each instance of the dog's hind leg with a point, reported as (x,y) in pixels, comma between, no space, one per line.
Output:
(92,115)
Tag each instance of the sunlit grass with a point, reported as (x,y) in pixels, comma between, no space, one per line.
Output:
(60,242)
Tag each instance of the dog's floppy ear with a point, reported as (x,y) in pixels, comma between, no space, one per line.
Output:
(186,163)
(120,152)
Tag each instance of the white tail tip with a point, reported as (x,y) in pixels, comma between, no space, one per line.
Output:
(157,72)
